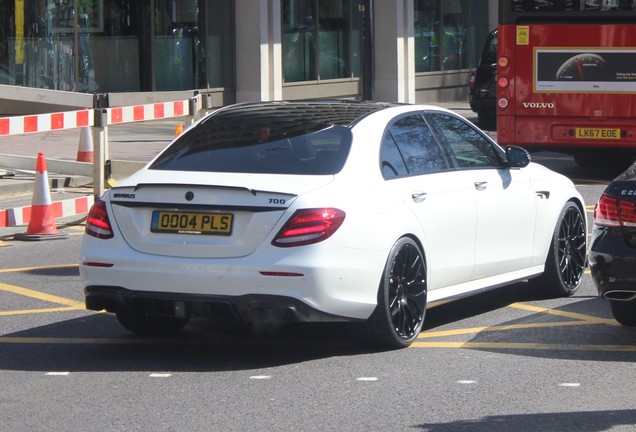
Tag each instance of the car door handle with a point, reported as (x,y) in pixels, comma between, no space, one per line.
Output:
(481,185)
(418,196)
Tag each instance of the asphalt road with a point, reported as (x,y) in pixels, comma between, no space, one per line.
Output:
(504,361)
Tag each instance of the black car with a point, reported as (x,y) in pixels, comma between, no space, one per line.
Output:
(482,89)
(612,252)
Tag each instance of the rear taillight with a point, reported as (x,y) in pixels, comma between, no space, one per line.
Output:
(472,81)
(614,212)
(504,92)
(309,226)
(97,223)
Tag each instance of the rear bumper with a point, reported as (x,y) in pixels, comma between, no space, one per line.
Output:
(482,104)
(547,131)
(332,279)
(245,308)
(613,265)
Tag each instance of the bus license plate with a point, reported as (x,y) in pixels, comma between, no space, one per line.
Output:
(594,133)
(191,223)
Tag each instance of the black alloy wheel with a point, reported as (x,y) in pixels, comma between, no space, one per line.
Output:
(399,315)
(567,256)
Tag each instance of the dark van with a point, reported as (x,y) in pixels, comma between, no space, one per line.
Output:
(482,89)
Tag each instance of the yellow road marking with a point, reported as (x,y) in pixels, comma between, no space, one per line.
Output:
(113,341)
(40,295)
(573,315)
(22,269)
(528,346)
(45,310)
(472,330)
(463,345)
(72,305)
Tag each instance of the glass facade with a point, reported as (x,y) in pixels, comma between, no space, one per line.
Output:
(449,33)
(321,39)
(121,45)
(103,46)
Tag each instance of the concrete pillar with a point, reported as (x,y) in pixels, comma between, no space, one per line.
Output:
(394,55)
(259,74)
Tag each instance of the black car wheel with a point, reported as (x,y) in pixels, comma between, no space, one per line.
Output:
(566,258)
(624,312)
(399,315)
(150,325)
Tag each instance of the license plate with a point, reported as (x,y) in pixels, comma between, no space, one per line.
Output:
(593,133)
(191,223)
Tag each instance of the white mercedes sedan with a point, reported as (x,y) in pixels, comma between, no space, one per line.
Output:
(328,211)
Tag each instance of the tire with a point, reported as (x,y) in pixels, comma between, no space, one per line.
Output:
(487,119)
(399,314)
(150,325)
(566,259)
(624,312)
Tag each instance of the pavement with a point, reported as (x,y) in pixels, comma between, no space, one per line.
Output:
(138,142)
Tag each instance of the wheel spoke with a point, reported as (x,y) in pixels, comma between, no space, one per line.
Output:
(571,248)
(407,293)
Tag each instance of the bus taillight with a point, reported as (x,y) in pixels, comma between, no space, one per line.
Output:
(503,103)
(503,62)
(503,82)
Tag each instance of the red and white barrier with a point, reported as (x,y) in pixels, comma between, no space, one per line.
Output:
(85,118)
(46,122)
(65,208)
(155,111)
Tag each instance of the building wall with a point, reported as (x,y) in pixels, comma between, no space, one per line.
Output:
(257,63)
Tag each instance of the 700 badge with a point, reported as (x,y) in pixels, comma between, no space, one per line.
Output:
(594,133)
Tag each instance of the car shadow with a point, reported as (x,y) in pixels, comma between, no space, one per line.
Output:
(72,346)
(580,421)
(478,305)
(544,331)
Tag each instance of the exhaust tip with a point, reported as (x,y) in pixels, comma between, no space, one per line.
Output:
(620,295)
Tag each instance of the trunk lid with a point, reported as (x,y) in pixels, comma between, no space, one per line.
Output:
(203,215)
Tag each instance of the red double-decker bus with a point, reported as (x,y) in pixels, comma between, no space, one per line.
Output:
(566,78)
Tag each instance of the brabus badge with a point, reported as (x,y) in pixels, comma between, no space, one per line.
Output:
(124,195)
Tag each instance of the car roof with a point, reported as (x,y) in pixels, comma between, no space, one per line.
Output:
(318,113)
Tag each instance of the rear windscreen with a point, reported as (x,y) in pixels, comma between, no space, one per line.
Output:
(280,149)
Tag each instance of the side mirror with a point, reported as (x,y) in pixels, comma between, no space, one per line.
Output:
(517,157)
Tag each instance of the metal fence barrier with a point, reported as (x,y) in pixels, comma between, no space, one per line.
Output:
(98,120)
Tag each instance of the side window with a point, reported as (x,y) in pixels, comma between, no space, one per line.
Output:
(391,161)
(489,55)
(419,152)
(471,149)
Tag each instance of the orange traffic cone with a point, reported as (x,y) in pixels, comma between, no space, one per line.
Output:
(178,130)
(41,222)
(85,150)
